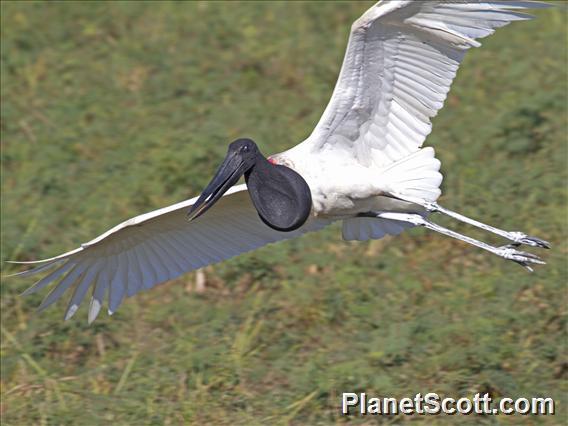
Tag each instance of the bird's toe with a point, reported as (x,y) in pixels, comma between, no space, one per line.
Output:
(523,258)
(521,238)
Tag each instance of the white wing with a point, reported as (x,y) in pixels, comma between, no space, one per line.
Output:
(401,59)
(155,247)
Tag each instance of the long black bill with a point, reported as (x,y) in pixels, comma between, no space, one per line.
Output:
(227,175)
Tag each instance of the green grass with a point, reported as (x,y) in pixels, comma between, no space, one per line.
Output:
(113,109)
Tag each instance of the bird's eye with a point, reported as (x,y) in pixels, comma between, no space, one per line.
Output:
(245,148)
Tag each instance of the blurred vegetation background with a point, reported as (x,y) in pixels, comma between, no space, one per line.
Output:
(113,109)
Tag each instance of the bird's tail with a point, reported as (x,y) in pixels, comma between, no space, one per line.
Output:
(416,176)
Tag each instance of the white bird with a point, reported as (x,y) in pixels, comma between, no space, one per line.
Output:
(363,164)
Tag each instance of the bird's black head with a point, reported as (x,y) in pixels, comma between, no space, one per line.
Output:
(281,196)
(246,150)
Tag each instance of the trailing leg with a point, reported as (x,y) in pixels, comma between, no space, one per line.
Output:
(506,252)
(516,237)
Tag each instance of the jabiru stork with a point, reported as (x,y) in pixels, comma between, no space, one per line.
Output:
(363,164)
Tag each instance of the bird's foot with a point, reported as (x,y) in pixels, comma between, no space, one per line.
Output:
(523,258)
(520,238)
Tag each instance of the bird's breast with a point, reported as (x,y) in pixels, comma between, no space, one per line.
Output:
(337,192)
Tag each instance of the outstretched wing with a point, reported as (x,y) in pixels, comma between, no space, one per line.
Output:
(401,59)
(155,247)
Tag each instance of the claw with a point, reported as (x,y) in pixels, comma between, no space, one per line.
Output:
(527,267)
(520,238)
(517,253)
(535,242)
(523,258)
